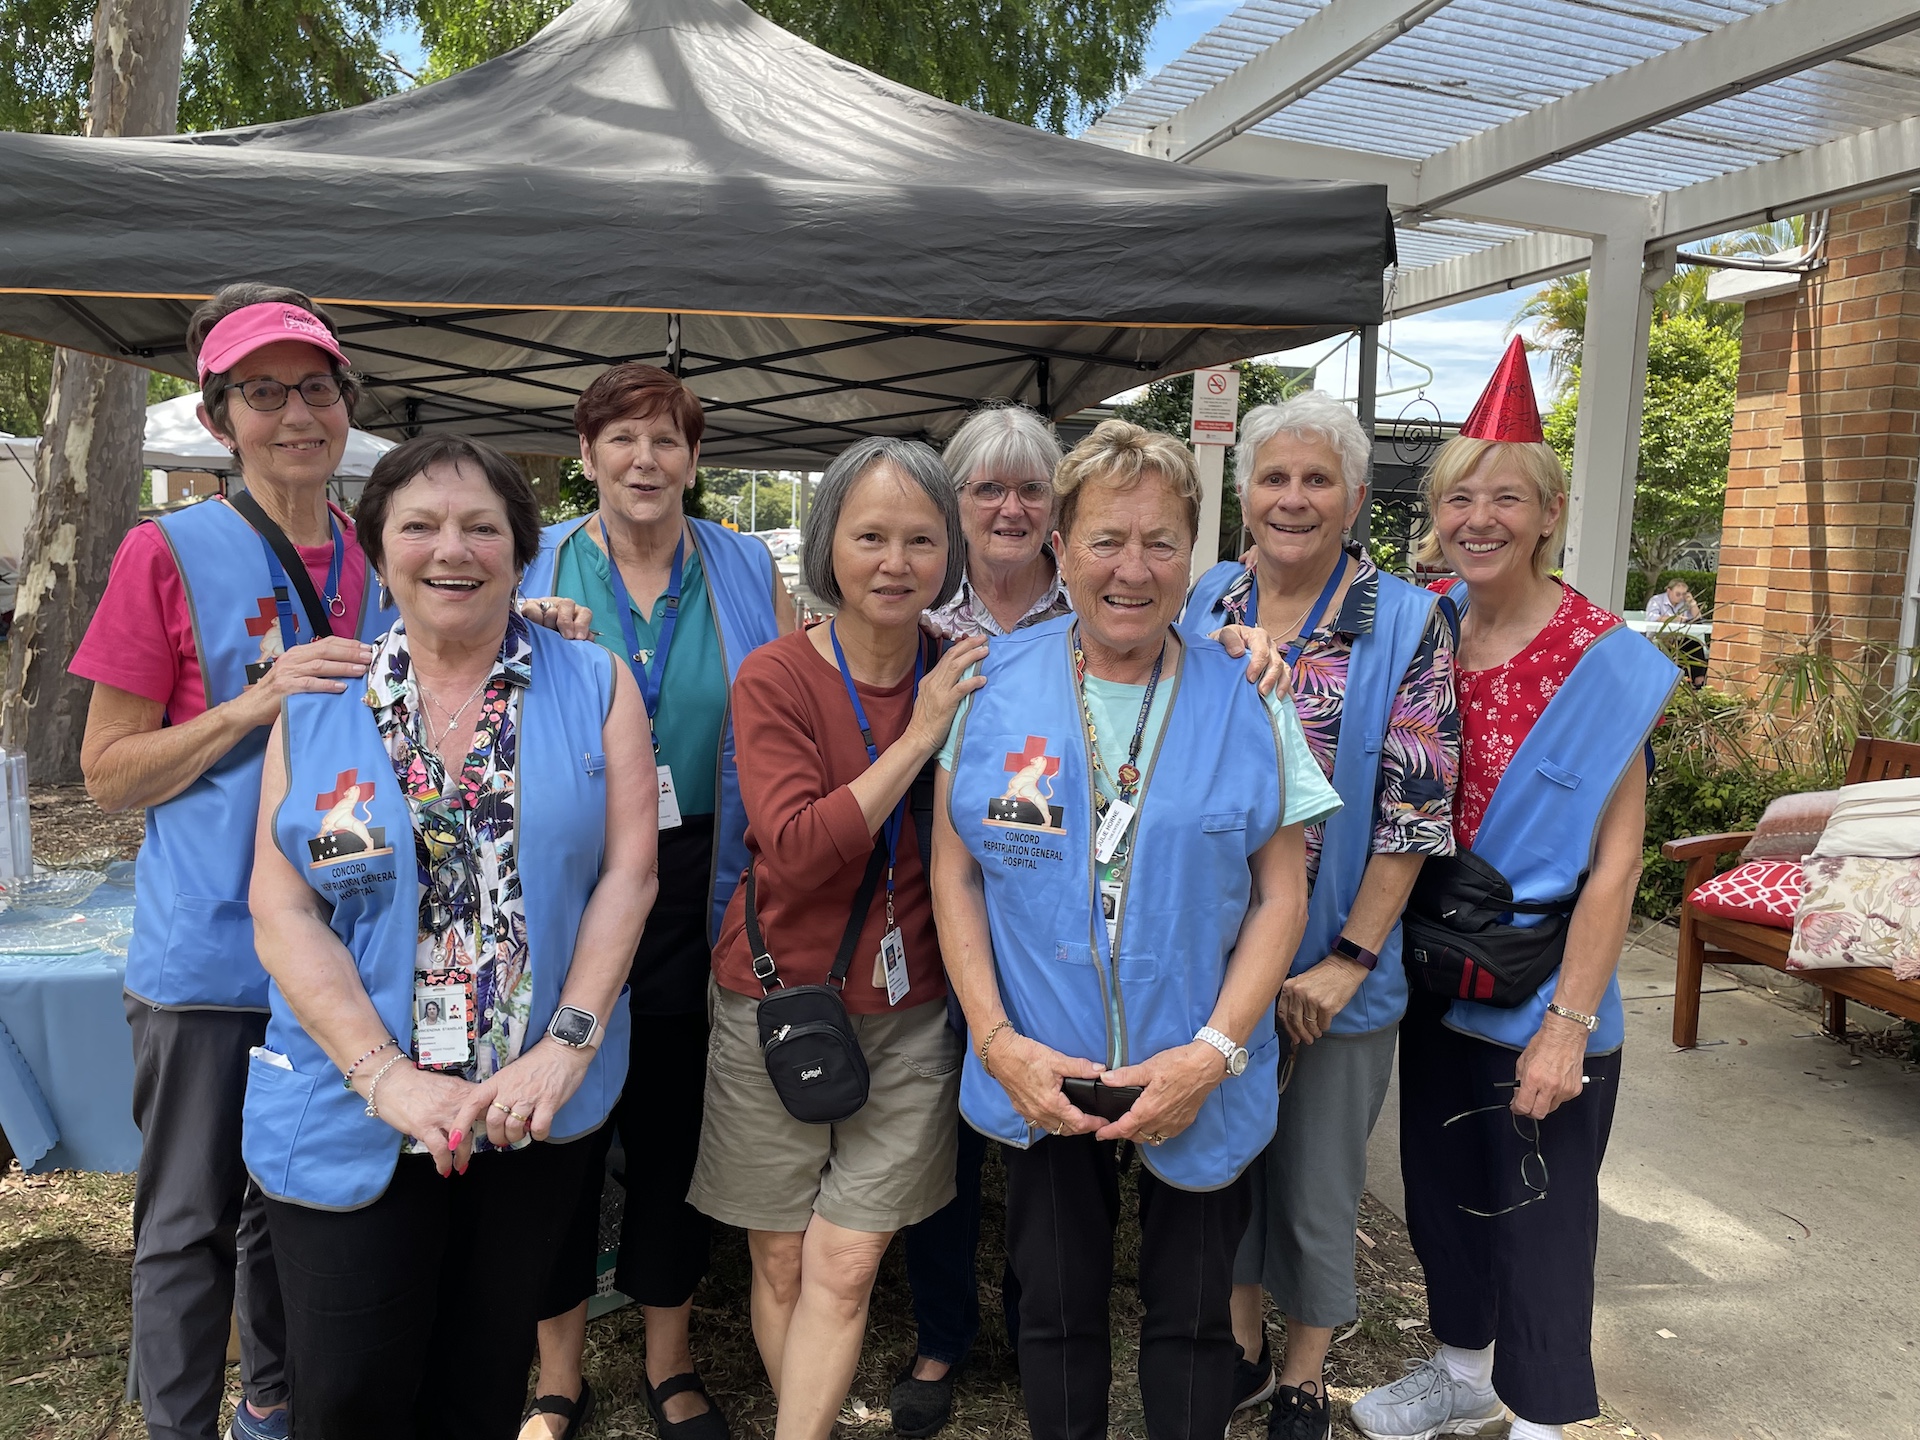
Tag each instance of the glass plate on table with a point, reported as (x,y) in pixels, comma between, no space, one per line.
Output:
(48,932)
(52,889)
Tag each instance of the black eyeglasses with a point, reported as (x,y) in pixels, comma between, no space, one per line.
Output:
(1033,494)
(1533,1167)
(319,391)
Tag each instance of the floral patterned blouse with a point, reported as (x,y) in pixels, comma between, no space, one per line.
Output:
(1420,756)
(967,614)
(472,915)
(1498,706)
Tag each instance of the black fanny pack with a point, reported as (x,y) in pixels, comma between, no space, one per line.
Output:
(1457,942)
(813,1057)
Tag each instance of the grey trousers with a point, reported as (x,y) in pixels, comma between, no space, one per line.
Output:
(199,1224)
(1306,1187)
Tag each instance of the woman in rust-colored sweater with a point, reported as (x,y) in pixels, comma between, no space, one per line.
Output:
(832,728)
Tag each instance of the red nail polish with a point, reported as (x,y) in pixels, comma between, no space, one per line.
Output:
(454,1139)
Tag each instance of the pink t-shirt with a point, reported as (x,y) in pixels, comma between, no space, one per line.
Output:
(141,638)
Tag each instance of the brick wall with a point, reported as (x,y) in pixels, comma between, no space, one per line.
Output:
(1820,489)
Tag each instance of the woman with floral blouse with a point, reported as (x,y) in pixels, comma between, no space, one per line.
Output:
(1372,665)
(454,863)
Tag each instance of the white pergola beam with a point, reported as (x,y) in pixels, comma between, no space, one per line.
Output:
(1790,36)
(1530,204)
(1525,261)
(1315,51)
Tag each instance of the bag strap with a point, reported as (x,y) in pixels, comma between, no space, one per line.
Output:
(765,971)
(290,561)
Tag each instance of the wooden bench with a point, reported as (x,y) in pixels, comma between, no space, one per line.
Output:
(1708,939)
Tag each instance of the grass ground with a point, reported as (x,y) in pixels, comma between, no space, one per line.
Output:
(65,1244)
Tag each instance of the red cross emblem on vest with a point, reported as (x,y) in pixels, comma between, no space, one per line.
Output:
(343,782)
(1036,747)
(268,617)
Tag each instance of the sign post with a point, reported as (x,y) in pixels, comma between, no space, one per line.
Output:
(1214,425)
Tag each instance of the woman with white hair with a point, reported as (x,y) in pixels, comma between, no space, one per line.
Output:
(1372,662)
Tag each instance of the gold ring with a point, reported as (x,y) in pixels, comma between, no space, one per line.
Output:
(501,1108)
(518,1115)
(1156,1139)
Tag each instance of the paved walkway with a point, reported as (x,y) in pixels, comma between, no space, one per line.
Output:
(1762,1204)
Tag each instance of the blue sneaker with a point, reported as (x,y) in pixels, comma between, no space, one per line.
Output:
(1427,1402)
(249,1426)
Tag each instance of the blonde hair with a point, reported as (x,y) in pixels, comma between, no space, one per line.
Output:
(1118,455)
(1460,456)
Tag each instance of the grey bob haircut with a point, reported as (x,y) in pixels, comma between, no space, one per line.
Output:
(913,459)
(1006,441)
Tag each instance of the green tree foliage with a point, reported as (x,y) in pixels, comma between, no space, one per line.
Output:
(1558,314)
(46,59)
(1041,62)
(767,501)
(25,370)
(252,61)
(1167,406)
(1686,431)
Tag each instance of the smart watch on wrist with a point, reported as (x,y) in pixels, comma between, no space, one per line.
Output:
(1234,1055)
(573,1027)
(1359,954)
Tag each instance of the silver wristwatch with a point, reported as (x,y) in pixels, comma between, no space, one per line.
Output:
(1234,1055)
(573,1027)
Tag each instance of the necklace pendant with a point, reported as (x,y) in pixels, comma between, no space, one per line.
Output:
(1129,776)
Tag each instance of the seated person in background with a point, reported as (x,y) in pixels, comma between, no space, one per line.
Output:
(1676,602)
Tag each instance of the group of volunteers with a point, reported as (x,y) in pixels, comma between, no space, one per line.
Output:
(476,848)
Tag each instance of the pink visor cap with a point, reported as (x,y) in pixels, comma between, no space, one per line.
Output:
(253,326)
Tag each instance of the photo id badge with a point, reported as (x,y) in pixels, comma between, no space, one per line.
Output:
(443,1019)
(1110,892)
(669,802)
(893,962)
(1112,826)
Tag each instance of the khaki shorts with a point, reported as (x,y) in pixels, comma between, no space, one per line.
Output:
(888,1167)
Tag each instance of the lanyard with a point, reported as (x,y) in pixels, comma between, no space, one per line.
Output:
(1314,616)
(283,591)
(1127,782)
(648,673)
(891,830)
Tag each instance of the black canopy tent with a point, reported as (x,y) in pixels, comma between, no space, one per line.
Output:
(823,254)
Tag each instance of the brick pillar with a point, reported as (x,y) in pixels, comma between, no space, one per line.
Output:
(1820,489)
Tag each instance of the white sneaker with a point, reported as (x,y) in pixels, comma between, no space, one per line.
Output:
(1425,1402)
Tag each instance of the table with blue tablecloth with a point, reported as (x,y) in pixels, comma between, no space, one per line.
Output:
(66,1058)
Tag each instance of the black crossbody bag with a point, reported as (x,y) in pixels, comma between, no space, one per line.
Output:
(813,1057)
(1456,940)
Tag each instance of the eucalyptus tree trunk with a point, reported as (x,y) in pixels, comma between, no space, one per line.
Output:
(87,475)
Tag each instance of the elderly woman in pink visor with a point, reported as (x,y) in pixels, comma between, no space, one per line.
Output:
(213,614)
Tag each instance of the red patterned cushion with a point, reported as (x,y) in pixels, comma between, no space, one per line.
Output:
(1765,892)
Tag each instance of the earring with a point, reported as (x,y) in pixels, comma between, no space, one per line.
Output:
(385,596)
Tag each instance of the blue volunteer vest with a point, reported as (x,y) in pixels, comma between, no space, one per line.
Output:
(740,584)
(1543,821)
(308,1140)
(1378,665)
(192,946)
(1211,797)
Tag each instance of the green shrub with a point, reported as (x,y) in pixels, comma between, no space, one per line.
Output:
(1700,582)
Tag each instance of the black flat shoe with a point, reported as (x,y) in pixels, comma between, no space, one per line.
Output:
(575,1412)
(1253,1379)
(709,1424)
(921,1407)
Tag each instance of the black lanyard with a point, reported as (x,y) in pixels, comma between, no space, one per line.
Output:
(284,564)
(1127,782)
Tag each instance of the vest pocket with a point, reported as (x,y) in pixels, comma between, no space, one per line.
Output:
(1558,775)
(1068,952)
(1224,822)
(271,1116)
(209,953)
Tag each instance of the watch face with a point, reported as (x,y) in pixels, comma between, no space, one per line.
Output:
(571,1026)
(1237,1062)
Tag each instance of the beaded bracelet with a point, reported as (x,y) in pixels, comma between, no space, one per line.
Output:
(346,1076)
(373,1108)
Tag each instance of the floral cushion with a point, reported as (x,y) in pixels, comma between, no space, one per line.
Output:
(1764,892)
(1859,910)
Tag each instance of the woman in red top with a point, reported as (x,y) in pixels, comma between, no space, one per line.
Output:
(834,725)
(1505,1112)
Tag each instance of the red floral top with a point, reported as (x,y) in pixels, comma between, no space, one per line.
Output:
(1498,706)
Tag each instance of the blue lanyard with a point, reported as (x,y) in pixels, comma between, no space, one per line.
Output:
(891,830)
(283,590)
(1312,622)
(651,672)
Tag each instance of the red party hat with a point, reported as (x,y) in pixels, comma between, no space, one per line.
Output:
(1506,409)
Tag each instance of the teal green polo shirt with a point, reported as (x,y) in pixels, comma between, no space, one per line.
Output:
(693,691)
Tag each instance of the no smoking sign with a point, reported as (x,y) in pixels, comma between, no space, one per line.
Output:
(1216,405)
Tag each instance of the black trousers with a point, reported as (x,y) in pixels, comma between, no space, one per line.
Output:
(1063,1206)
(413,1318)
(1523,1281)
(200,1247)
(664,1241)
